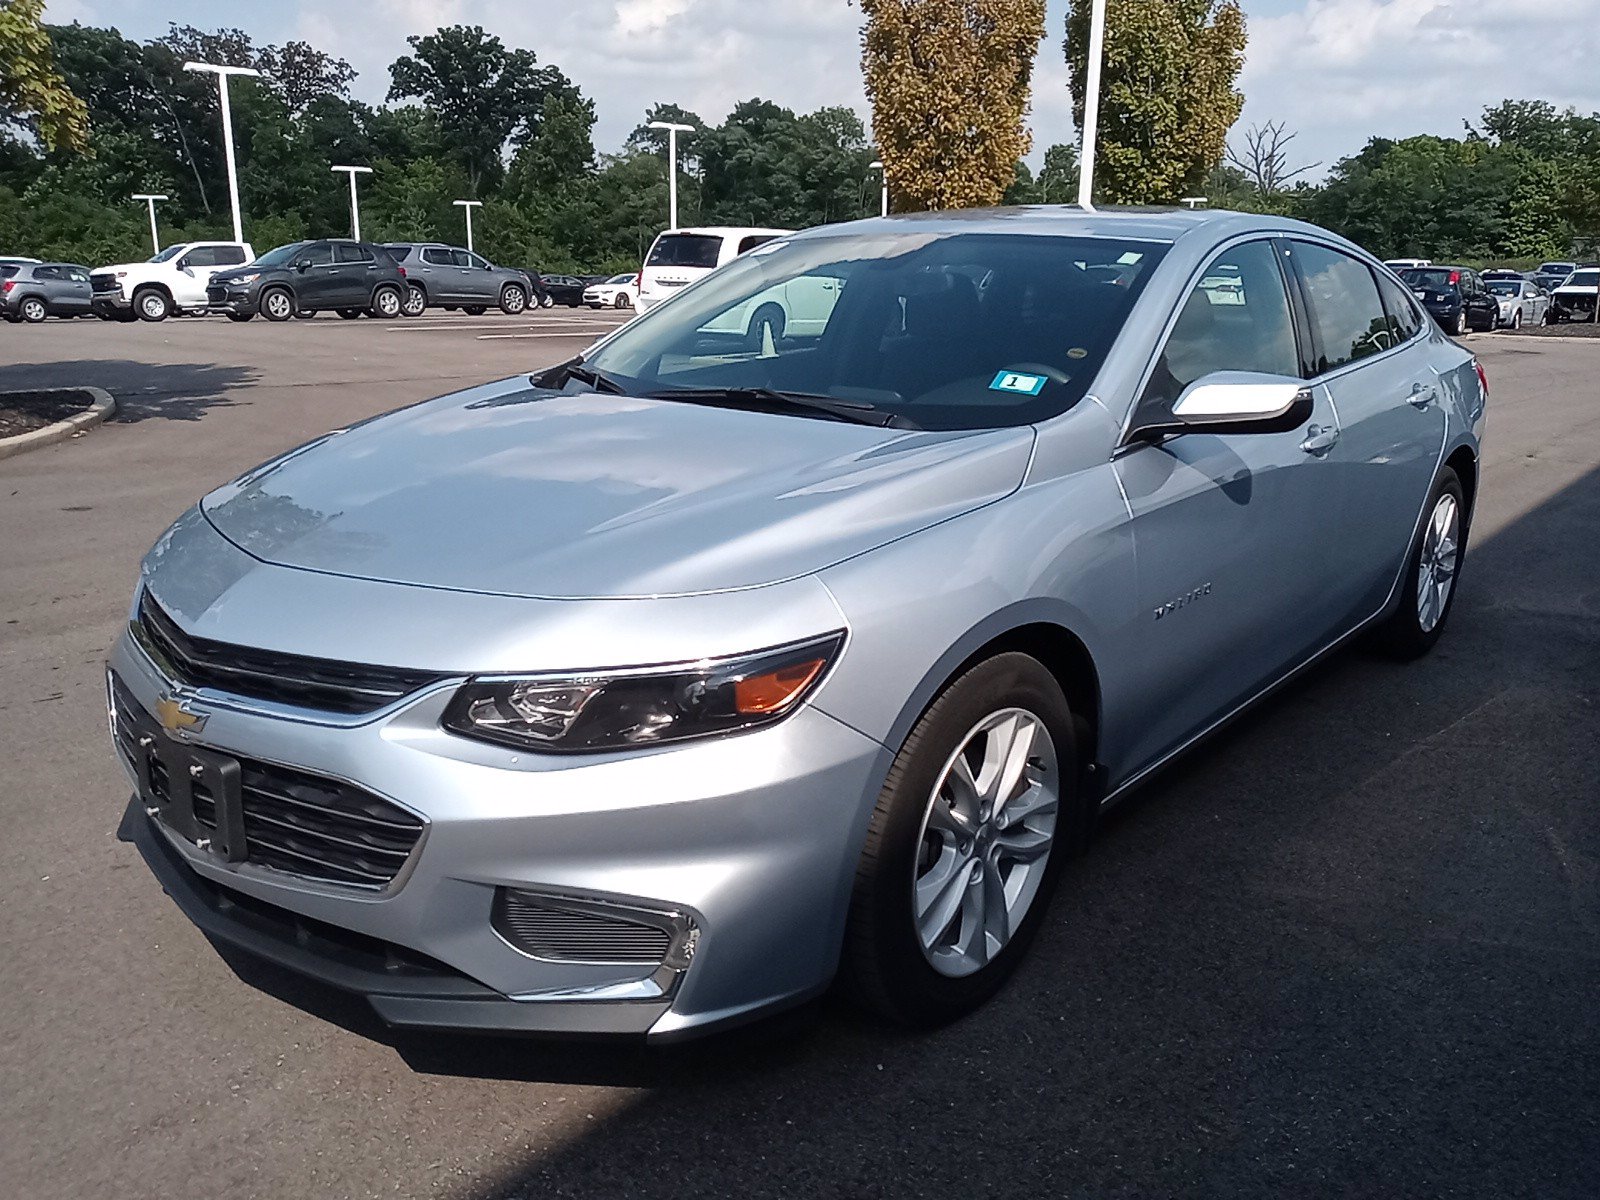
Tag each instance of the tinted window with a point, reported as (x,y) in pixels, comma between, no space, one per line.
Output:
(317,254)
(229,256)
(78,274)
(469,259)
(438,258)
(1236,319)
(1431,279)
(7,270)
(200,256)
(685,250)
(352,252)
(963,331)
(398,253)
(1404,318)
(754,240)
(1583,279)
(47,272)
(1346,313)
(282,255)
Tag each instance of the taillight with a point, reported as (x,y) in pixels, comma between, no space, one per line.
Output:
(1455,276)
(402,271)
(7,285)
(1482,378)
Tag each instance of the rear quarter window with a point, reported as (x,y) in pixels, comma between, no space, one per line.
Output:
(685,250)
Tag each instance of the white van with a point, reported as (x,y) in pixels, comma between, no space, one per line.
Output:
(680,256)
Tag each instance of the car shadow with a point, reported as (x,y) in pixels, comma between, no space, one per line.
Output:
(1348,947)
(144,391)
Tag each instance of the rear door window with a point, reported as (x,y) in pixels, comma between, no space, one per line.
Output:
(353,252)
(685,250)
(1346,314)
(436,257)
(1404,319)
(228,256)
(1237,318)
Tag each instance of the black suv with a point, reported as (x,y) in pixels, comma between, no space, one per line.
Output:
(1455,296)
(307,277)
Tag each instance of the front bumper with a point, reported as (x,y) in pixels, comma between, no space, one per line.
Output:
(110,303)
(241,302)
(755,837)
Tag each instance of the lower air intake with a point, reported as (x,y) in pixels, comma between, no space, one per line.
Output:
(574,930)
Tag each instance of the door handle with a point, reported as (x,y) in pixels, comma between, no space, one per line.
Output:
(1421,396)
(1321,439)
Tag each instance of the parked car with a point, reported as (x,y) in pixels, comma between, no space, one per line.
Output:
(680,256)
(1456,297)
(1552,275)
(15,260)
(1501,273)
(645,695)
(563,289)
(301,278)
(455,278)
(1521,301)
(618,291)
(1575,299)
(30,292)
(1405,264)
(175,281)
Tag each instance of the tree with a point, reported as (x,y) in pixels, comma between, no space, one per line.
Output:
(33,95)
(1058,178)
(302,74)
(560,153)
(482,94)
(949,84)
(1264,161)
(1167,93)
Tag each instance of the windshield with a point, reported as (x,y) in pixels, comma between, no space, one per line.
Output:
(963,331)
(279,256)
(1557,268)
(685,250)
(1434,278)
(170,252)
(1583,279)
(620,279)
(1505,287)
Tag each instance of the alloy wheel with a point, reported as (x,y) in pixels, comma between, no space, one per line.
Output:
(985,841)
(1436,575)
(277,305)
(416,302)
(387,303)
(33,310)
(512,301)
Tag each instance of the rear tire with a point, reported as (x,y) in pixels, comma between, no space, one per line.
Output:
(416,302)
(1460,329)
(934,929)
(1433,573)
(622,301)
(152,304)
(547,301)
(240,316)
(386,303)
(33,310)
(475,310)
(349,314)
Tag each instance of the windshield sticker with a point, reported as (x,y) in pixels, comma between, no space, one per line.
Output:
(1018,382)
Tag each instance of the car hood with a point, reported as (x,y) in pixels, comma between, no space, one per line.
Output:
(515,490)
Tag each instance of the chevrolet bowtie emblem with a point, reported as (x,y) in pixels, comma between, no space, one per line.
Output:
(175,718)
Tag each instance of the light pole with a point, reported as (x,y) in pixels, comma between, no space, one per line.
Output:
(469,205)
(150,199)
(878,166)
(355,207)
(1091,104)
(222,74)
(672,166)
(1194,202)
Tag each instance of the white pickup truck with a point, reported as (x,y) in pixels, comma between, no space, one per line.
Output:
(173,281)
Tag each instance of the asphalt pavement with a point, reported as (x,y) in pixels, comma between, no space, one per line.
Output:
(1351,948)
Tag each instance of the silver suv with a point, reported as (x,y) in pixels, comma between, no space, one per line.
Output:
(452,278)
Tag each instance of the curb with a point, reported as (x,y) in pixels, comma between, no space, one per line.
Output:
(102,406)
(1546,338)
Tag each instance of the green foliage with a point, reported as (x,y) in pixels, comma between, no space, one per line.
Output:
(1167,93)
(33,95)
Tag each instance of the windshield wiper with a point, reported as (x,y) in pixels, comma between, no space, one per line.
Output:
(576,368)
(808,402)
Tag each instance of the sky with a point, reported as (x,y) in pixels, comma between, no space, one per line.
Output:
(1336,71)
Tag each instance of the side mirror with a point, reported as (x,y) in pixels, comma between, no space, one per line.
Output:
(1230,402)
(303,266)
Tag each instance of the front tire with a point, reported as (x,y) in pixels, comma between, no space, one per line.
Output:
(1428,591)
(277,304)
(1516,320)
(767,322)
(547,301)
(622,301)
(241,317)
(1460,327)
(513,300)
(979,811)
(349,314)
(152,304)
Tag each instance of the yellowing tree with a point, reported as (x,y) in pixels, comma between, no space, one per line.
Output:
(948,81)
(32,92)
(1167,98)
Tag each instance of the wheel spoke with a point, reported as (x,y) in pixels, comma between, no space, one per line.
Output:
(965,795)
(1036,801)
(940,894)
(1014,754)
(996,911)
(1023,845)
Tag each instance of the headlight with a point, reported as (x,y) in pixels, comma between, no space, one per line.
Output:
(250,278)
(582,712)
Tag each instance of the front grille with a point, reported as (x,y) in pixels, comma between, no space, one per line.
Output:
(317,683)
(550,928)
(294,821)
(104,283)
(216,294)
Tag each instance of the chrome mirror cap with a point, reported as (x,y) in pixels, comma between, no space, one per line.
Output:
(1227,396)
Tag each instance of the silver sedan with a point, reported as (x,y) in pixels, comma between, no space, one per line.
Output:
(668,686)
(1522,302)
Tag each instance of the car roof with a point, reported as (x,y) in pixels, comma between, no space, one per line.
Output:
(727,230)
(1063,220)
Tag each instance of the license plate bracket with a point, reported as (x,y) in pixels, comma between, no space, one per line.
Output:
(170,773)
